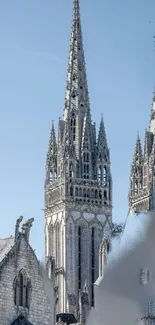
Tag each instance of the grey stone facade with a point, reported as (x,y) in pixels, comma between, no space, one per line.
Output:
(23,299)
(78,189)
(142,178)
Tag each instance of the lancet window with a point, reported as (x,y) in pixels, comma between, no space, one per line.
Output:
(22,290)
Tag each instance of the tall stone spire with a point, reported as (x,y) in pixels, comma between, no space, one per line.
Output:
(78,203)
(76,98)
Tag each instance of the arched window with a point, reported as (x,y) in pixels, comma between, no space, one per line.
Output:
(88,193)
(87,157)
(96,194)
(71,191)
(73,125)
(92,194)
(105,195)
(80,192)
(22,290)
(84,192)
(76,191)
(100,195)
(84,156)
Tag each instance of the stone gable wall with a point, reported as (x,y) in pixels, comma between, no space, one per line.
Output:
(39,312)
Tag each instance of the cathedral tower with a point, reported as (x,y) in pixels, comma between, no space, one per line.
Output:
(78,189)
(142,178)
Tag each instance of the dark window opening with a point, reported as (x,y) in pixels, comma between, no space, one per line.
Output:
(100,195)
(105,195)
(21,288)
(71,191)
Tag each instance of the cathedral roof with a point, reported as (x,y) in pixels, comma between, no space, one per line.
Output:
(5,246)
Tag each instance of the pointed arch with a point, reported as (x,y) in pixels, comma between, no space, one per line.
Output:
(71,191)
(96,194)
(80,192)
(76,192)
(92,193)
(22,289)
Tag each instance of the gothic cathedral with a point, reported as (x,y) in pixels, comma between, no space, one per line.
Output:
(142,178)
(78,190)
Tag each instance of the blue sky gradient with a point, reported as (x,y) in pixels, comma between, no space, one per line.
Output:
(34,49)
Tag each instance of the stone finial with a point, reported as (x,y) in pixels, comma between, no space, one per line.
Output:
(18,221)
(26,227)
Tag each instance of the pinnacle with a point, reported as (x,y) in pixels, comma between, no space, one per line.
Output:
(76,97)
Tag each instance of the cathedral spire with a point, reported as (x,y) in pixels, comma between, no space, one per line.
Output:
(76,99)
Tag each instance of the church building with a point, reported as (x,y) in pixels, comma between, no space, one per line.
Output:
(78,190)
(23,295)
(142,178)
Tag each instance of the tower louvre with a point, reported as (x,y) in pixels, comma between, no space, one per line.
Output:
(78,199)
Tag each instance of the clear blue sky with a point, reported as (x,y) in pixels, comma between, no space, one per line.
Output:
(34,48)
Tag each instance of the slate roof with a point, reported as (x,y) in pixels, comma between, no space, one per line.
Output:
(5,246)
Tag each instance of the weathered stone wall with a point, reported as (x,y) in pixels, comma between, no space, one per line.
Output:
(40,312)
